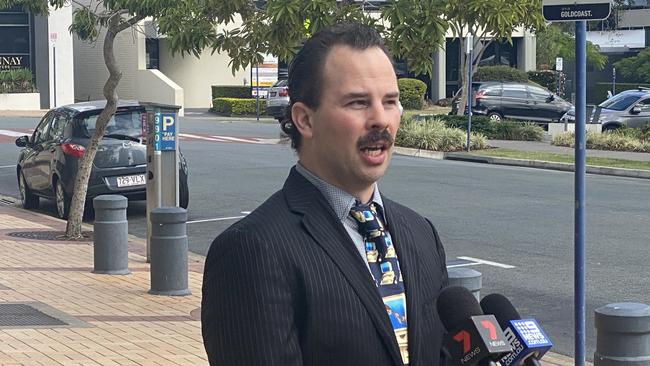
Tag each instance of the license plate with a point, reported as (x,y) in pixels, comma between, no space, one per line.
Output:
(131,180)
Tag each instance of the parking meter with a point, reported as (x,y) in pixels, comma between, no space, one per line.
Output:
(160,125)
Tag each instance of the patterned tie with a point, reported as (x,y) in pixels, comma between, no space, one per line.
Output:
(384,266)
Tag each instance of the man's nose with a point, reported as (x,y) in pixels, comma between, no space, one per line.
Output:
(378,117)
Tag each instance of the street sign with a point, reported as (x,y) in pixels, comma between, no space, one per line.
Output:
(568,10)
(165,132)
(558,63)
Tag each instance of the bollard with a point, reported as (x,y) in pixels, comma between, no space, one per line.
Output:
(111,235)
(168,251)
(468,278)
(622,335)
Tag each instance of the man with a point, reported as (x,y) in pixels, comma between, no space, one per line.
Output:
(328,271)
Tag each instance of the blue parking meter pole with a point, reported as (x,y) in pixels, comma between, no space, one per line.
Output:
(257,92)
(470,46)
(613,81)
(161,124)
(580,172)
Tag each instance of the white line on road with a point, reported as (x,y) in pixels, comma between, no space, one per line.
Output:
(202,137)
(12,133)
(464,265)
(489,263)
(236,139)
(217,219)
(8,166)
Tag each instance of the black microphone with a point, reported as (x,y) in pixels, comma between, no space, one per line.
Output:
(529,342)
(473,338)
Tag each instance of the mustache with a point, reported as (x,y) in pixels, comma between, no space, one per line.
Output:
(376,136)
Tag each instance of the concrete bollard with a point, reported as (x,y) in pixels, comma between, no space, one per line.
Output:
(111,235)
(169,251)
(468,278)
(622,335)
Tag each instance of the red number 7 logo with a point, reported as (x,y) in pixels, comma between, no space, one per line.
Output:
(490,327)
(463,336)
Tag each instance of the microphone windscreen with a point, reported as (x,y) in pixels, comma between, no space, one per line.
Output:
(502,309)
(455,305)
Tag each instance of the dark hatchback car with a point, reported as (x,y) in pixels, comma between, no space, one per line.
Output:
(47,164)
(521,101)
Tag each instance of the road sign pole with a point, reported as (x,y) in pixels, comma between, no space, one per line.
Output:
(470,45)
(580,167)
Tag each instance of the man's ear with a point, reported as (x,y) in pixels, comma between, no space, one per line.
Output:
(302,119)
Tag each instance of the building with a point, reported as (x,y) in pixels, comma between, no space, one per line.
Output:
(42,45)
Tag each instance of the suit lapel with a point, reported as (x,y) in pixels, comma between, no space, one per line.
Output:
(321,223)
(409,265)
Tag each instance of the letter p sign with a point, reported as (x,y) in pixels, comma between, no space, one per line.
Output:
(167,121)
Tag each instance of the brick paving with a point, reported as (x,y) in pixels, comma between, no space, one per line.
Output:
(115,320)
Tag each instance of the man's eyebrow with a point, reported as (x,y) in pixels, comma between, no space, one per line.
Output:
(354,95)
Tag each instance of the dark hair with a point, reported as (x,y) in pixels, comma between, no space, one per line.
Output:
(306,69)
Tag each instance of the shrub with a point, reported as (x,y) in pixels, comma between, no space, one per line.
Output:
(16,81)
(605,141)
(411,93)
(237,106)
(231,91)
(434,135)
(500,73)
(505,130)
(545,78)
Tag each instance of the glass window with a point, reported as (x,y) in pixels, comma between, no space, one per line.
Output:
(644,105)
(537,93)
(515,91)
(122,123)
(57,126)
(493,91)
(41,132)
(14,40)
(619,102)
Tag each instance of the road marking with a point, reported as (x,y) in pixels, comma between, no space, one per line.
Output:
(237,139)
(217,219)
(8,166)
(202,137)
(12,133)
(489,263)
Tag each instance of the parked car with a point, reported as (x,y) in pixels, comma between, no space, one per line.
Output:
(277,100)
(521,101)
(48,163)
(630,108)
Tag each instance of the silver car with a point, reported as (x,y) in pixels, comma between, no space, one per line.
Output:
(277,100)
(630,108)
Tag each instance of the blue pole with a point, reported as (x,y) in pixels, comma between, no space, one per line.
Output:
(580,164)
(469,93)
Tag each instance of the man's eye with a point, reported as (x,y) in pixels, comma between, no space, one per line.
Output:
(358,103)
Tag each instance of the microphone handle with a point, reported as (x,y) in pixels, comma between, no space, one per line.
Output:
(532,361)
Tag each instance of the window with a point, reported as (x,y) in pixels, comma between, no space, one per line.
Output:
(619,102)
(514,91)
(41,133)
(644,105)
(493,91)
(123,123)
(536,93)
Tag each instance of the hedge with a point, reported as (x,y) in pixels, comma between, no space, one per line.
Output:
(238,106)
(231,91)
(435,136)
(499,73)
(504,130)
(16,81)
(548,79)
(411,93)
(605,141)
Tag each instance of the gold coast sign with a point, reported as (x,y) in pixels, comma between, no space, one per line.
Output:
(12,62)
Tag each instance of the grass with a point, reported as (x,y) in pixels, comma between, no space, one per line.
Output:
(564,158)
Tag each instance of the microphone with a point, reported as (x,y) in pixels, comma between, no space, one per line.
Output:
(474,338)
(529,342)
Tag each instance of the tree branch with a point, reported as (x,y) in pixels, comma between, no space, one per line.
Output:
(130,23)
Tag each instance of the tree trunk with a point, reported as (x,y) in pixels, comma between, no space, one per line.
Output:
(73,228)
(462,78)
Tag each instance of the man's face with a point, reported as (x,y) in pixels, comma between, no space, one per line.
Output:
(349,138)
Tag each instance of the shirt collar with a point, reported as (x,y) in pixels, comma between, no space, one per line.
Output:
(340,200)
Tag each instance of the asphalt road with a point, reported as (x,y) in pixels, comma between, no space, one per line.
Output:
(514,216)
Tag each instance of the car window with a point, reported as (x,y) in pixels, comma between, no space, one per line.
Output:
(281,83)
(56,127)
(41,131)
(492,90)
(644,105)
(514,91)
(537,93)
(619,102)
(123,123)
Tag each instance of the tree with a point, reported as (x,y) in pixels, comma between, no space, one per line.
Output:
(115,16)
(485,21)
(553,41)
(637,67)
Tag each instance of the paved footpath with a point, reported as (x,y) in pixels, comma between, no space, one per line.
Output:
(103,319)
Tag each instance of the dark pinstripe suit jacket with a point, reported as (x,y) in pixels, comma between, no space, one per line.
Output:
(286,286)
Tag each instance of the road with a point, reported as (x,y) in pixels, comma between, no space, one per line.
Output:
(511,216)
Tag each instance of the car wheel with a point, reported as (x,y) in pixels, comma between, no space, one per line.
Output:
(62,201)
(611,127)
(183,190)
(495,116)
(27,197)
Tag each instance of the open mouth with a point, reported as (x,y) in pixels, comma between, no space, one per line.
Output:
(374,150)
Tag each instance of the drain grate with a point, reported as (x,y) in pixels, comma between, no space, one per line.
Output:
(49,235)
(23,315)
(7,202)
